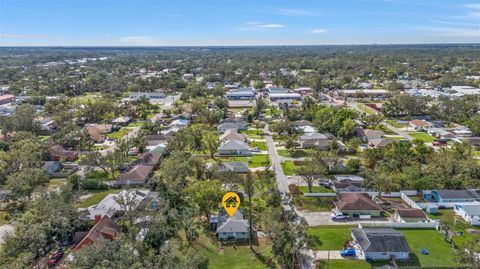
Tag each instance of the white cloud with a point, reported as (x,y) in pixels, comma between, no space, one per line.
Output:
(318,31)
(472,6)
(5,35)
(261,25)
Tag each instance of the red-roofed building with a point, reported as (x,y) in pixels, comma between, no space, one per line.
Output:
(105,228)
(357,204)
(6,98)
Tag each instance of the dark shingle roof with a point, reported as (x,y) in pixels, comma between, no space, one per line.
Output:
(381,240)
(356,201)
(458,194)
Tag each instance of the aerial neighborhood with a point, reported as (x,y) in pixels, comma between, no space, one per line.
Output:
(120,159)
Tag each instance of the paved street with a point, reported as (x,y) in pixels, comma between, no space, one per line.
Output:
(276,161)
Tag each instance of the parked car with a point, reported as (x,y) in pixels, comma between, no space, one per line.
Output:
(55,257)
(255,150)
(338,216)
(348,252)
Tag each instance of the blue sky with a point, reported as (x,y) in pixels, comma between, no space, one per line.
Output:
(236,22)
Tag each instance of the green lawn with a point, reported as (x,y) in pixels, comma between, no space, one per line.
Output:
(256,160)
(260,145)
(396,124)
(96,198)
(440,252)
(345,264)
(330,237)
(118,134)
(135,124)
(313,203)
(253,133)
(447,216)
(366,109)
(101,175)
(422,136)
(43,137)
(294,153)
(56,182)
(304,189)
(289,168)
(384,129)
(239,257)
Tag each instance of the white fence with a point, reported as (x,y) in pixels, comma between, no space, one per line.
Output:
(409,201)
(417,225)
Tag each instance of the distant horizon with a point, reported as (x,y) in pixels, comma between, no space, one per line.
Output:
(33,23)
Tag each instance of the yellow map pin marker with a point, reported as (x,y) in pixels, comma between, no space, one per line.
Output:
(231,202)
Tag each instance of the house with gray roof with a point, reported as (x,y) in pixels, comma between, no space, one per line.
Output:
(236,167)
(454,196)
(232,134)
(237,126)
(381,243)
(233,228)
(470,213)
(234,148)
(316,140)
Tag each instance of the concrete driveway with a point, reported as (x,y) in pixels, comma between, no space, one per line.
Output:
(323,218)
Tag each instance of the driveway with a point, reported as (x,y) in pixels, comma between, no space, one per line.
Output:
(323,218)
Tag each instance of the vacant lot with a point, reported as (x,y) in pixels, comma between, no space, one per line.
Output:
(422,136)
(313,204)
(329,237)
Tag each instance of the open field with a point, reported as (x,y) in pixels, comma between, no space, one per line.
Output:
(422,136)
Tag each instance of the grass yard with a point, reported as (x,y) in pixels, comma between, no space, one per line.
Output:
(366,109)
(345,264)
(240,257)
(304,189)
(294,153)
(135,124)
(289,168)
(96,198)
(422,136)
(117,135)
(256,160)
(384,129)
(43,137)
(253,133)
(330,237)
(314,204)
(396,124)
(441,253)
(447,216)
(260,145)
(56,182)
(101,175)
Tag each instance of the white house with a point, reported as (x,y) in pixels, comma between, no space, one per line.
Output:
(381,243)
(470,213)
(232,228)
(114,204)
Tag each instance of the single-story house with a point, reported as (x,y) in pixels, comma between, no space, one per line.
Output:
(409,215)
(421,124)
(151,158)
(454,196)
(316,140)
(104,228)
(237,126)
(51,167)
(380,143)
(60,153)
(156,139)
(470,213)
(348,185)
(48,125)
(356,205)
(97,131)
(233,228)
(234,147)
(232,134)
(381,243)
(236,167)
(368,134)
(122,120)
(112,205)
(137,175)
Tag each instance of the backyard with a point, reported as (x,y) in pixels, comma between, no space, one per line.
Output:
(294,153)
(289,168)
(342,264)
(96,197)
(238,257)
(447,216)
(304,189)
(118,134)
(256,160)
(257,144)
(440,252)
